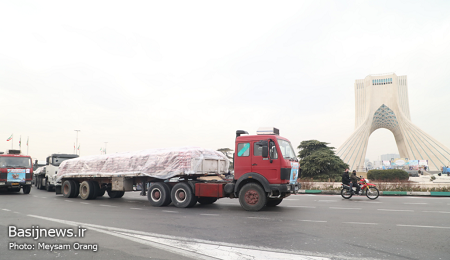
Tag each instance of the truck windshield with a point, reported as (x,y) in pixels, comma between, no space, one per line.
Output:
(58,160)
(15,162)
(286,149)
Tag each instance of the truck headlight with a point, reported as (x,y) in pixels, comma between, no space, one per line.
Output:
(28,182)
(2,183)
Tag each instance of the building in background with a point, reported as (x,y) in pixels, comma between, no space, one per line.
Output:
(382,102)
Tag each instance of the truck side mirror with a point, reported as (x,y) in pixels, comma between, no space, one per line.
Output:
(265,151)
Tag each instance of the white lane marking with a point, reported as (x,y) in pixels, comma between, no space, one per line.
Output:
(307,220)
(290,199)
(103,205)
(369,202)
(327,200)
(416,203)
(170,211)
(436,211)
(258,217)
(210,214)
(403,210)
(399,225)
(360,223)
(191,247)
(6,209)
(35,196)
(68,200)
(85,203)
(343,208)
(137,208)
(311,207)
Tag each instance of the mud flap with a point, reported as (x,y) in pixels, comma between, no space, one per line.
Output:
(58,189)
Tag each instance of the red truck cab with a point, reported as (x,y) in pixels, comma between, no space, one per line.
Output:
(268,160)
(16,171)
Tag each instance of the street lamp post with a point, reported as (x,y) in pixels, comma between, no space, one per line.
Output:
(76,146)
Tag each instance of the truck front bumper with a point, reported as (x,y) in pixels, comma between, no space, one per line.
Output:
(5,184)
(285,188)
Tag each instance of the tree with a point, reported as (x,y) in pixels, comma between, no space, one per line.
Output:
(225,151)
(319,161)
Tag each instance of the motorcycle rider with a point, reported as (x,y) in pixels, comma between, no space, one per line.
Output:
(346,179)
(355,180)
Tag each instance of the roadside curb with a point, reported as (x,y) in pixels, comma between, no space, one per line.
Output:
(384,193)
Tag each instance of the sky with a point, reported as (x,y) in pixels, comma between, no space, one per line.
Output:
(134,75)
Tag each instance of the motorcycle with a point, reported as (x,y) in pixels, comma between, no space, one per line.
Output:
(368,189)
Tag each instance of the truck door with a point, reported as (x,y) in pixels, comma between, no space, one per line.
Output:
(267,167)
(242,159)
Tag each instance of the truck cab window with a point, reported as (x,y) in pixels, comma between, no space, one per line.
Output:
(243,149)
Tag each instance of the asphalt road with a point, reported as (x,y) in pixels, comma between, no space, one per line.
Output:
(301,227)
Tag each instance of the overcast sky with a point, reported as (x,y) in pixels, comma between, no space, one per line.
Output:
(153,74)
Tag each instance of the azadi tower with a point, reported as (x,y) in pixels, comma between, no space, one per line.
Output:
(382,102)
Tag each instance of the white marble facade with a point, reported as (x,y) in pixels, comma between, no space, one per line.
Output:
(382,102)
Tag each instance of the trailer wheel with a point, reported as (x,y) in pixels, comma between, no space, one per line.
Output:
(47,185)
(159,194)
(252,197)
(101,192)
(182,196)
(88,190)
(115,194)
(69,189)
(273,202)
(26,189)
(206,200)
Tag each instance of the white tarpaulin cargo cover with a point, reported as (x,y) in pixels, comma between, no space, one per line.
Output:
(157,163)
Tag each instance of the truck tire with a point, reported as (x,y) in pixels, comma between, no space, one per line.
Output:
(69,189)
(88,190)
(159,194)
(47,185)
(252,197)
(206,200)
(26,189)
(182,195)
(273,202)
(101,192)
(115,194)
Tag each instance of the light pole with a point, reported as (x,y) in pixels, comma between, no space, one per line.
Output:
(76,146)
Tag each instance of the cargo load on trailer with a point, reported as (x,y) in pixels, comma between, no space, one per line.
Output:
(155,163)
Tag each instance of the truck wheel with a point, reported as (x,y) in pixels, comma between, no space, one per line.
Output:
(182,195)
(115,194)
(101,192)
(47,185)
(26,189)
(252,197)
(88,190)
(206,200)
(273,202)
(159,194)
(69,189)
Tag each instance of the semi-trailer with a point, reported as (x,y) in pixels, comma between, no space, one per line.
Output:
(265,172)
